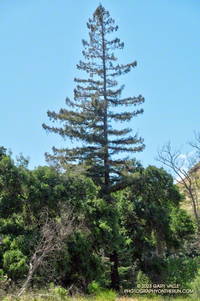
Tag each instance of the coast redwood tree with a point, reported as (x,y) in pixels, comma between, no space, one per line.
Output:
(91,117)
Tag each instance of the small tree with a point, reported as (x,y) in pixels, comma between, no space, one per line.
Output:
(95,108)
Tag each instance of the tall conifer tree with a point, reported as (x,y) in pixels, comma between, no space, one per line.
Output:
(90,117)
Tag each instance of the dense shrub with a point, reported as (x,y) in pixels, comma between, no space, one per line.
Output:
(181,270)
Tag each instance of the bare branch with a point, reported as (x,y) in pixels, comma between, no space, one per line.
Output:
(54,233)
(172,159)
(196,143)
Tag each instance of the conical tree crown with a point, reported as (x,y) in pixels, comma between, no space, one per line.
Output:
(90,117)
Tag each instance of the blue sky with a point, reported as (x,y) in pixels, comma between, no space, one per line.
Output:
(41,45)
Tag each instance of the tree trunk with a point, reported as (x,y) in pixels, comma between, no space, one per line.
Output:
(28,280)
(195,210)
(114,271)
(160,245)
(114,275)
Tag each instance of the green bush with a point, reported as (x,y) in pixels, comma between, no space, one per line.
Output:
(94,288)
(181,270)
(14,263)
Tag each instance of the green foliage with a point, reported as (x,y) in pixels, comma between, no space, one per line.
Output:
(15,264)
(47,188)
(131,225)
(94,288)
(152,223)
(181,224)
(181,270)
(83,268)
(11,191)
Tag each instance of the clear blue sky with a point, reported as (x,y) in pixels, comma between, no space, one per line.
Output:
(41,44)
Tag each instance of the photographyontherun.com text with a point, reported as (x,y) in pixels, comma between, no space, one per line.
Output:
(158,289)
